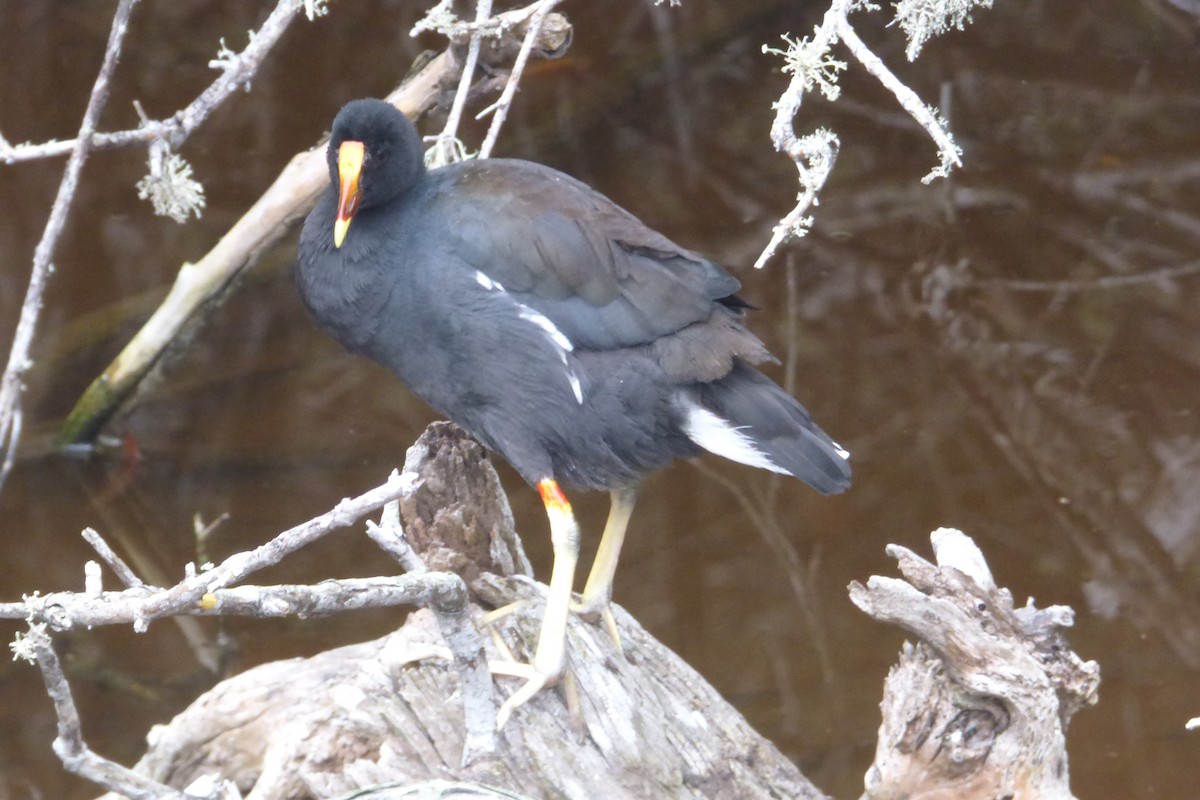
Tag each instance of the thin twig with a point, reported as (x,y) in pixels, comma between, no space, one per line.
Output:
(502,105)
(19,361)
(237,567)
(126,575)
(69,744)
(813,67)
(389,535)
(446,149)
(949,154)
(237,72)
(813,155)
(141,605)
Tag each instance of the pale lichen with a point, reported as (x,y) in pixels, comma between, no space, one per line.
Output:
(24,649)
(316,8)
(811,63)
(170,187)
(921,20)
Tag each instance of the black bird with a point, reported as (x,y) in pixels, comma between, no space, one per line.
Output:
(551,324)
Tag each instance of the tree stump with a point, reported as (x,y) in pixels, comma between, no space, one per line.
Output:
(634,723)
(978,708)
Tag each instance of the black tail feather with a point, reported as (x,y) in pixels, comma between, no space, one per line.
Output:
(777,425)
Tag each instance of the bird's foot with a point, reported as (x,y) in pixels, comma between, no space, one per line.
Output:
(547,667)
(545,671)
(535,681)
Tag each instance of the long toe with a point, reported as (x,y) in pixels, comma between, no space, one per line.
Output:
(535,683)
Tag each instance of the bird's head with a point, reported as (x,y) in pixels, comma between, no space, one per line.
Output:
(374,156)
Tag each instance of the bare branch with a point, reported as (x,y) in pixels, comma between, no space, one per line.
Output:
(126,575)
(808,63)
(237,71)
(389,535)
(501,106)
(447,147)
(198,593)
(18,360)
(432,589)
(949,153)
(69,744)
(814,156)
(811,66)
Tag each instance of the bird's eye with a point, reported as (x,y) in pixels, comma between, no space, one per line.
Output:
(381,156)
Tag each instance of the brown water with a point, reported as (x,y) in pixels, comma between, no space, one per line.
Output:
(960,339)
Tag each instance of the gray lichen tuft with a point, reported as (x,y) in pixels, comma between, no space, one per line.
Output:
(170,186)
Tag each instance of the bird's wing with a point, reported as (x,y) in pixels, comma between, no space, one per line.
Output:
(602,277)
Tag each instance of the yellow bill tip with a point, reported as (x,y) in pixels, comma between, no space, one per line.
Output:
(340,226)
(351,155)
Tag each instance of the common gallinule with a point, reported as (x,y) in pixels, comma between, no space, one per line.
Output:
(553,325)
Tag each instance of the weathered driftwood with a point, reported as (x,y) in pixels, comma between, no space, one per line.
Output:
(633,724)
(978,708)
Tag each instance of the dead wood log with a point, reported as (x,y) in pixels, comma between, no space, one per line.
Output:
(637,723)
(978,708)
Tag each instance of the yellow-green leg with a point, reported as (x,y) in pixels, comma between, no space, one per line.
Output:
(597,593)
(550,657)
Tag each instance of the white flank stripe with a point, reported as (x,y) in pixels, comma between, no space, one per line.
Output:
(543,322)
(576,387)
(487,283)
(717,436)
(560,341)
